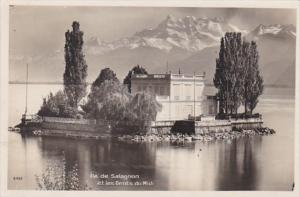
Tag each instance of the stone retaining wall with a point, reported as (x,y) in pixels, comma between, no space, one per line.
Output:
(74,127)
(213,125)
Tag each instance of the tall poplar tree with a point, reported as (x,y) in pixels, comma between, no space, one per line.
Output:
(226,79)
(76,67)
(220,80)
(237,75)
(244,73)
(253,81)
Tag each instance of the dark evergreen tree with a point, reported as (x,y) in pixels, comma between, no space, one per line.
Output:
(253,81)
(76,67)
(220,80)
(228,67)
(237,76)
(235,59)
(244,73)
(105,74)
(135,70)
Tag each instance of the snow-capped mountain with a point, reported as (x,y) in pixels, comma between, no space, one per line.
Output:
(188,33)
(274,31)
(188,43)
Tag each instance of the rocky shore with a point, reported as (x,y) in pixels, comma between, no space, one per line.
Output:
(156,137)
(204,136)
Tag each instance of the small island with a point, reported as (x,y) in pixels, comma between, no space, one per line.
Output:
(154,107)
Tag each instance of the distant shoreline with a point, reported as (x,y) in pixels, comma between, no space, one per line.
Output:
(40,83)
(90,83)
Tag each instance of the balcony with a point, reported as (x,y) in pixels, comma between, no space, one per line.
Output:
(190,77)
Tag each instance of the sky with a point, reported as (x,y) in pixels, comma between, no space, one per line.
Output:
(36,28)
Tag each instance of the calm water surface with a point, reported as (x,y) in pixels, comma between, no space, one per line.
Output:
(249,163)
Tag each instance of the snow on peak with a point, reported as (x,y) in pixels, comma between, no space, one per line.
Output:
(274,30)
(187,33)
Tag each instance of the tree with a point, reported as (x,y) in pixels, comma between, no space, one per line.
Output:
(105,74)
(143,108)
(237,76)
(135,70)
(234,60)
(228,67)
(76,68)
(108,77)
(244,74)
(57,106)
(253,81)
(114,108)
(103,99)
(111,101)
(220,79)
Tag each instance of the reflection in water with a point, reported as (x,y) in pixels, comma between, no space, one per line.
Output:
(104,157)
(238,167)
(219,165)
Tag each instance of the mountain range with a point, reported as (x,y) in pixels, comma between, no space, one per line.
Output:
(190,44)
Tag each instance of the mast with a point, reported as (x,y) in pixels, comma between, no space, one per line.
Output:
(26,88)
(194,96)
(167,67)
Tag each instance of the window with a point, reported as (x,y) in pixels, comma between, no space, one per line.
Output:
(176,91)
(161,90)
(157,90)
(188,91)
(211,110)
(199,91)
(150,89)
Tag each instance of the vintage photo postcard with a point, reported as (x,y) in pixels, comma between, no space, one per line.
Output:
(140,96)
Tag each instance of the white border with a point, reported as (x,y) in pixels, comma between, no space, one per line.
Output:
(134,3)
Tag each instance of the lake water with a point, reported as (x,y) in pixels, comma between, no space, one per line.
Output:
(249,163)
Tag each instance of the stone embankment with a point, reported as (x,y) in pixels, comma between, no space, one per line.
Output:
(204,136)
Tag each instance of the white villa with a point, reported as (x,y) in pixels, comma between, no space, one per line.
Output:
(180,95)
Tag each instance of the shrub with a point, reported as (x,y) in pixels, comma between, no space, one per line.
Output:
(57,106)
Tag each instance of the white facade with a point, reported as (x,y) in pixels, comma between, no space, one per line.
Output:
(180,95)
